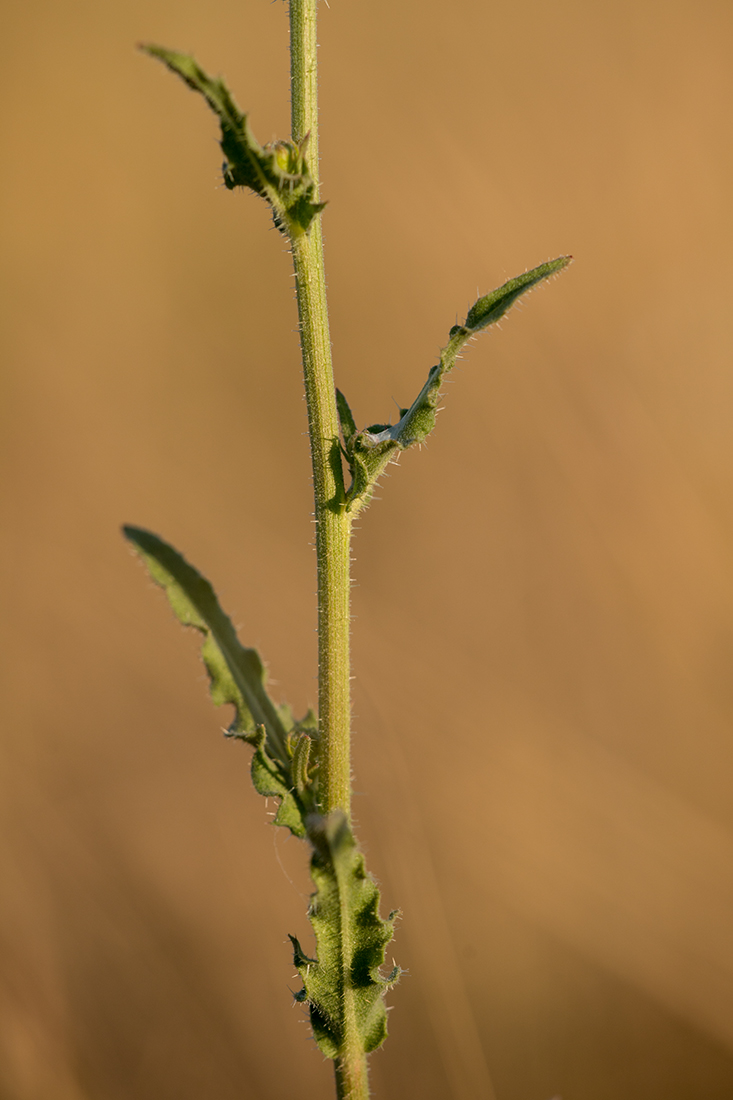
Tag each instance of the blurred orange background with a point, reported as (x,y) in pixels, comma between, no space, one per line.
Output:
(543,634)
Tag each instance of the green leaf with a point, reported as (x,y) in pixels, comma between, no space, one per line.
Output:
(369,451)
(346,419)
(492,307)
(237,676)
(344,986)
(277,171)
(302,762)
(271,780)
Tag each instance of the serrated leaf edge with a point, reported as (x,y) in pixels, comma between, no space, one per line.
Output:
(351,939)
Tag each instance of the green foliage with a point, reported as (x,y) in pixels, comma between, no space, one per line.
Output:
(237,676)
(369,451)
(344,987)
(277,171)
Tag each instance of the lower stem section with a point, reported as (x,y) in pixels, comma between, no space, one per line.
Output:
(352,1082)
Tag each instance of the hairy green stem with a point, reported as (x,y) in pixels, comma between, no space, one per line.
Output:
(333,524)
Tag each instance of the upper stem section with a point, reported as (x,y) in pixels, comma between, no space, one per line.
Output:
(304,79)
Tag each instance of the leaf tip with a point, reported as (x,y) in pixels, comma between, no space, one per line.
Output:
(153,50)
(142,539)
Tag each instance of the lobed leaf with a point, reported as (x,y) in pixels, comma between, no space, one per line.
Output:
(277,171)
(237,676)
(369,451)
(344,986)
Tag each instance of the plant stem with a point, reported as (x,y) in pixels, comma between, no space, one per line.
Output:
(351,1078)
(304,79)
(333,524)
